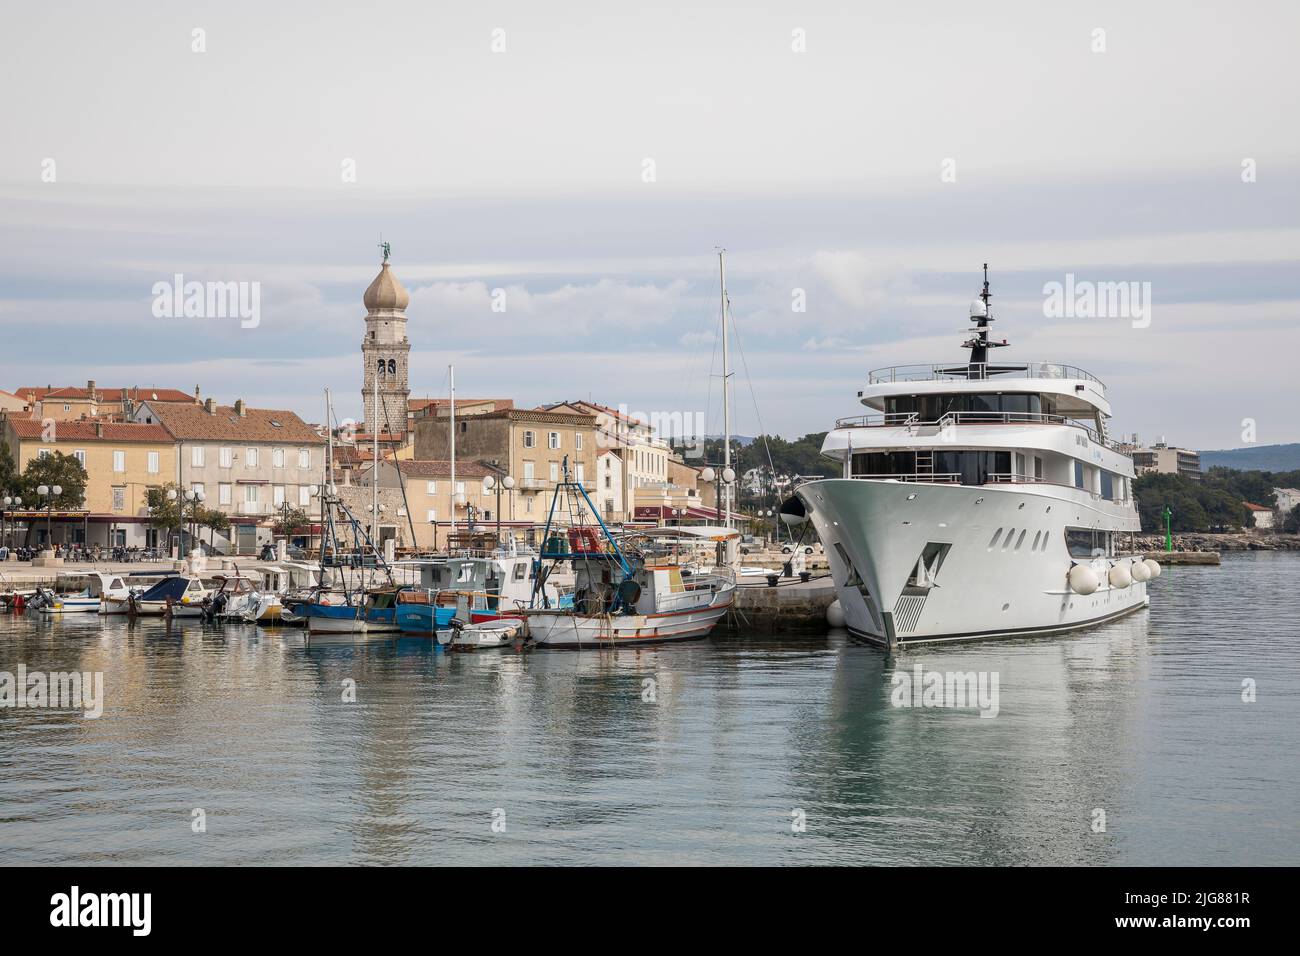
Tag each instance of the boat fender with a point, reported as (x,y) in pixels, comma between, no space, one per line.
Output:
(1120,576)
(1140,571)
(1153,566)
(835,614)
(1083,579)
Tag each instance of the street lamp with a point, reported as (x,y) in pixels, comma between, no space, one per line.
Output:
(192,496)
(491,483)
(49,494)
(15,502)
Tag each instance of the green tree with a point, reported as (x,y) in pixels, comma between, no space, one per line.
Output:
(1291,521)
(54,469)
(215,521)
(8,471)
(164,515)
(295,519)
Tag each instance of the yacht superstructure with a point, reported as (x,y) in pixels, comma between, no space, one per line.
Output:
(979,499)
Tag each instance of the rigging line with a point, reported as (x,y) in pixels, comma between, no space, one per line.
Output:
(401,483)
(753,397)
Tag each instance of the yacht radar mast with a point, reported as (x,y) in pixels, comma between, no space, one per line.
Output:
(980,343)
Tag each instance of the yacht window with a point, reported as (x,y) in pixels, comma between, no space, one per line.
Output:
(1078,474)
(1107,485)
(520,570)
(1085,542)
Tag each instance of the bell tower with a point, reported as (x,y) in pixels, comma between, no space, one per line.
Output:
(385,351)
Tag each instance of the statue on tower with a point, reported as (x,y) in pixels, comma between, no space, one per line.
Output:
(387,250)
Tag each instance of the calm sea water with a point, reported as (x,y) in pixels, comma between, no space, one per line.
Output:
(1143,719)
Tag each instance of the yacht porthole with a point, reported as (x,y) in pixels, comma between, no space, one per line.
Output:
(911,496)
(1022,504)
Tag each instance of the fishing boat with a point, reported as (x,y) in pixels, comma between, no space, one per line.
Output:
(632,590)
(278,588)
(78,591)
(349,609)
(470,589)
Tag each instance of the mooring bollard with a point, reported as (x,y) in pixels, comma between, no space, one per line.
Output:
(772,579)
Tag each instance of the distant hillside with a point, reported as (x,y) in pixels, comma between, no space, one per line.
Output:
(1257,458)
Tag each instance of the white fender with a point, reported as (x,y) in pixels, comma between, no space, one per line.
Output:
(1153,566)
(1140,571)
(1120,576)
(1083,579)
(835,614)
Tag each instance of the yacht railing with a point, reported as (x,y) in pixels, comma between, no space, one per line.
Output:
(978,371)
(912,423)
(947,477)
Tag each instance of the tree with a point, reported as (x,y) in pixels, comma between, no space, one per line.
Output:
(290,521)
(50,470)
(1291,521)
(8,471)
(214,520)
(164,515)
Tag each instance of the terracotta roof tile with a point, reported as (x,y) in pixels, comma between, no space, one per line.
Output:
(190,422)
(90,430)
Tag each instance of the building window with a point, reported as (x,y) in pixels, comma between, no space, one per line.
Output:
(196,456)
(577,440)
(225,457)
(277,458)
(530,439)
(431,488)
(119,461)
(155,463)
(608,483)
(460,487)
(250,457)
(555,471)
(528,505)
(277,495)
(304,495)
(250,494)
(432,515)
(80,455)
(581,473)
(304,457)
(223,494)
(43,453)
(529,471)
(119,498)
(553,440)
(197,487)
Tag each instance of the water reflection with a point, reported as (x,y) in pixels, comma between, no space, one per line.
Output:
(694,753)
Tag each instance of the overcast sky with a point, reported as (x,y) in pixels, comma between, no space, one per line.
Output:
(525,170)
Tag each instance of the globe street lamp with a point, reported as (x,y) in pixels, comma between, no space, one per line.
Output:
(15,502)
(491,483)
(49,494)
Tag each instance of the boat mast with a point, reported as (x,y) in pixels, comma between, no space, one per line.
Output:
(726,399)
(451,373)
(374,468)
(325,488)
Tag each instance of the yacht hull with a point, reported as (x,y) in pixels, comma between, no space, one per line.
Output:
(1002,559)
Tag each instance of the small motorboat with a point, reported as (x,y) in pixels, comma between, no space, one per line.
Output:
(487,634)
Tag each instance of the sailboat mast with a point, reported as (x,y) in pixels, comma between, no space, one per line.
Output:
(374,468)
(325,488)
(451,374)
(726,397)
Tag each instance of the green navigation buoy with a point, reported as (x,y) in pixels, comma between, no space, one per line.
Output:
(1169,535)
